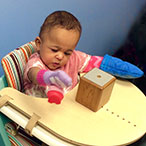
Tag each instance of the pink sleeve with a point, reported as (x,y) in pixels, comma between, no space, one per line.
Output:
(34,61)
(86,62)
(81,60)
(94,61)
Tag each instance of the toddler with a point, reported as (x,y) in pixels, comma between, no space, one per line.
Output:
(54,68)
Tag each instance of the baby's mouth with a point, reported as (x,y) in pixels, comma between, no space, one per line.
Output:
(55,64)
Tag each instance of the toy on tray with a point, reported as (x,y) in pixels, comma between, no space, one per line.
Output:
(95,89)
(58,80)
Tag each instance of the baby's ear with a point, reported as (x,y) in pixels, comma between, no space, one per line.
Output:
(38,43)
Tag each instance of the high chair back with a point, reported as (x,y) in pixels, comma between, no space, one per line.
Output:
(14,62)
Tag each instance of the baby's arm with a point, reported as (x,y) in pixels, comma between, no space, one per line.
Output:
(94,61)
(114,66)
(57,80)
(32,74)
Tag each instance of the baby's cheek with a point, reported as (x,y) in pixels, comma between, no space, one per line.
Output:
(46,60)
(65,60)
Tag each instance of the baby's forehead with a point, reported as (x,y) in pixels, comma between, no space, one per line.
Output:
(46,33)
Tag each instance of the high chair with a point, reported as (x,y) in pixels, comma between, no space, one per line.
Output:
(13,64)
(119,122)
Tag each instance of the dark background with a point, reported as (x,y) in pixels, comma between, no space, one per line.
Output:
(134,48)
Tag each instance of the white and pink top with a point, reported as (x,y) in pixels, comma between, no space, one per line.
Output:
(78,62)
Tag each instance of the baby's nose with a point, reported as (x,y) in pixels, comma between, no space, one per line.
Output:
(60,56)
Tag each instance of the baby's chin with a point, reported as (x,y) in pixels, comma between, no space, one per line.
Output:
(54,68)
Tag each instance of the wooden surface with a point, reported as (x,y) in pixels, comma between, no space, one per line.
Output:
(95,89)
(121,121)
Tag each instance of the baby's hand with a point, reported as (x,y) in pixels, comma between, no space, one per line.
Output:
(120,68)
(58,78)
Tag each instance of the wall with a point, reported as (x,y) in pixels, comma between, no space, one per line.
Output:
(105,22)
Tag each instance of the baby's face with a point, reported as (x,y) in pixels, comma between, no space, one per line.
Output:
(57,46)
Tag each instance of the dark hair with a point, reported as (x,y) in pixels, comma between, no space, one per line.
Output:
(60,19)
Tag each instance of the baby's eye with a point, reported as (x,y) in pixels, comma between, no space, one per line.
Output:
(54,50)
(67,53)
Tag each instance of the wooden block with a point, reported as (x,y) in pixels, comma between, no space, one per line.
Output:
(95,89)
